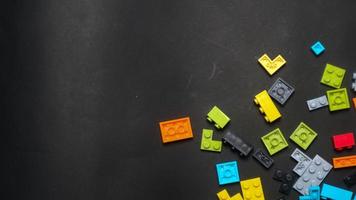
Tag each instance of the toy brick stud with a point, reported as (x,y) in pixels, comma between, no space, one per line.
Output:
(317,48)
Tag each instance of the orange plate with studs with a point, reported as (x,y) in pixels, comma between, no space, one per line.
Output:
(346,161)
(177,129)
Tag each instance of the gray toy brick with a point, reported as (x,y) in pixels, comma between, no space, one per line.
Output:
(301,167)
(299,156)
(313,176)
(281,91)
(317,103)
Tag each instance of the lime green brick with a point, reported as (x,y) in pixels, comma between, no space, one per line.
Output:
(303,135)
(274,141)
(207,142)
(333,76)
(338,99)
(217,117)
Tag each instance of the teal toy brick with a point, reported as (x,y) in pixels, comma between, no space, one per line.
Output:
(228,172)
(274,141)
(207,142)
(333,76)
(317,48)
(303,135)
(314,194)
(335,193)
(338,99)
(217,117)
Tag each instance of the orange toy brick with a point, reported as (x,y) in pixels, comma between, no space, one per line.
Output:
(346,161)
(354,100)
(177,129)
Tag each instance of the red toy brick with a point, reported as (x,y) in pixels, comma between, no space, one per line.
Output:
(342,141)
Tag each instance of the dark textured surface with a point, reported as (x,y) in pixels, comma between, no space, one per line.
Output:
(85,83)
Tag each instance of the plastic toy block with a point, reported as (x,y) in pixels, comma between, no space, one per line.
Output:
(303,161)
(207,142)
(278,175)
(223,195)
(237,197)
(333,76)
(317,48)
(317,103)
(303,135)
(343,141)
(252,189)
(274,141)
(271,66)
(227,172)
(314,194)
(313,176)
(217,117)
(350,180)
(353,85)
(338,99)
(287,180)
(237,143)
(267,107)
(263,158)
(345,161)
(354,100)
(335,193)
(281,91)
(177,129)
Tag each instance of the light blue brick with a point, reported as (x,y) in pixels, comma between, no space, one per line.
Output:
(335,193)
(317,48)
(227,172)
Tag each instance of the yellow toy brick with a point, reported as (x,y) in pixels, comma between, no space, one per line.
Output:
(224,195)
(271,66)
(252,189)
(267,107)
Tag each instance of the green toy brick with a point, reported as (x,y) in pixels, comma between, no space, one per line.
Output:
(338,99)
(207,142)
(303,135)
(217,117)
(274,141)
(333,76)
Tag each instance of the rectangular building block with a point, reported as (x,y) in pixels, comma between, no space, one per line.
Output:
(281,91)
(177,129)
(237,143)
(267,107)
(353,85)
(333,76)
(317,103)
(217,117)
(227,173)
(350,180)
(271,66)
(223,195)
(343,141)
(313,176)
(303,135)
(354,100)
(274,141)
(345,161)
(338,99)
(335,193)
(252,189)
(207,142)
(317,48)
(263,158)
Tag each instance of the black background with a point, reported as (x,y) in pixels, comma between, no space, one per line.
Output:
(85,83)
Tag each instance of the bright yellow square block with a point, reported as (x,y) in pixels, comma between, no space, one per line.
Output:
(271,66)
(224,195)
(267,107)
(252,189)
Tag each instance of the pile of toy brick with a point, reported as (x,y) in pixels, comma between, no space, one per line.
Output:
(309,173)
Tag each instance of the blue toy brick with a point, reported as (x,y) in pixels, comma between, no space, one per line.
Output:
(317,48)
(335,193)
(227,172)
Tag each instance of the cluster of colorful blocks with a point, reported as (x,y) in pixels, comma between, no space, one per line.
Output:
(311,172)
